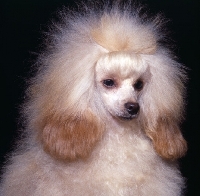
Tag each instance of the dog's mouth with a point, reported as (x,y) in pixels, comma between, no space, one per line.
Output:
(128,117)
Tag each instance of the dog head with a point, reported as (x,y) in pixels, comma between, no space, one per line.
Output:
(106,62)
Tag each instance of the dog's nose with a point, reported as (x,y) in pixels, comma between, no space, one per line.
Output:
(132,108)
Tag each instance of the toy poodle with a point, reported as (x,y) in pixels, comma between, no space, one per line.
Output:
(102,114)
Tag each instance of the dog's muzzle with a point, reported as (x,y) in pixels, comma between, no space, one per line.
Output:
(131,110)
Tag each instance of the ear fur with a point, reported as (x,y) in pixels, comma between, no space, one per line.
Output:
(162,105)
(71,137)
(168,140)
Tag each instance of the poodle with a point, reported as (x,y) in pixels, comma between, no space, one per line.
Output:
(103,111)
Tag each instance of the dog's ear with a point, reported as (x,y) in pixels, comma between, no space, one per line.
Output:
(71,137)
(167,139)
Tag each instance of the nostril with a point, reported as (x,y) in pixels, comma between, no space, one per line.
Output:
(132,108)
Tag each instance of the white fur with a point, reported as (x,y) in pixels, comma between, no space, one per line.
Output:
(123,157)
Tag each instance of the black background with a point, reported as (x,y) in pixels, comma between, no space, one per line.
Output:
(21,24)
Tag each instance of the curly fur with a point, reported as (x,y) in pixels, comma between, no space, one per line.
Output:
(80,137)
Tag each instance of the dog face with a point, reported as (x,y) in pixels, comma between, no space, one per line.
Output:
(121,78)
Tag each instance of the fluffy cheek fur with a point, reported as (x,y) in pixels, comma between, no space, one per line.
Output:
(71,137)
(167,139)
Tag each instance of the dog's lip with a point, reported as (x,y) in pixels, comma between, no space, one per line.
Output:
(128,118)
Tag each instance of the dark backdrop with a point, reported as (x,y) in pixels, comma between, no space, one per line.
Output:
(20,27)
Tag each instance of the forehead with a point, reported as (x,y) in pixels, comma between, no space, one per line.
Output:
(121,64)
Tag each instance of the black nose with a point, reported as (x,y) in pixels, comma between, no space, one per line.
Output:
(132,108)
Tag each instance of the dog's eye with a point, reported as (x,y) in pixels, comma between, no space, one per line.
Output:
(109,83)
(138,85)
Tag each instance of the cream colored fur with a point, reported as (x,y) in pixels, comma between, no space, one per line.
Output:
(80,140)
